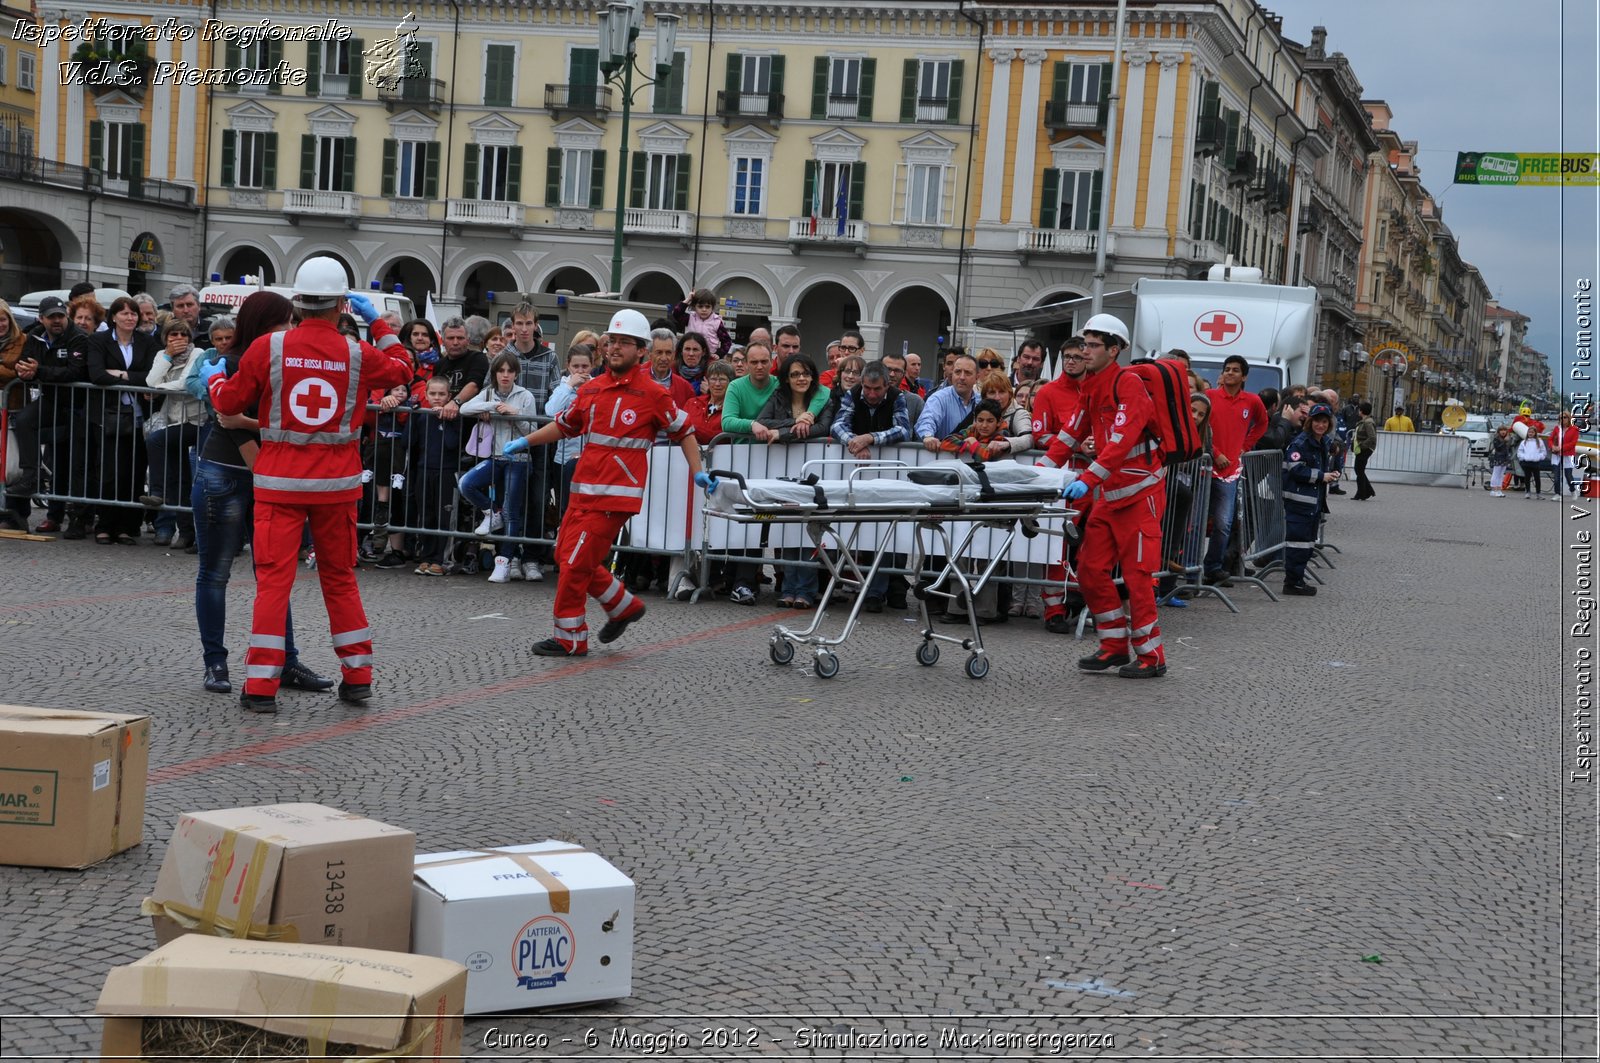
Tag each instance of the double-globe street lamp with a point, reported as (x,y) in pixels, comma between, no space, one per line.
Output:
(620,24)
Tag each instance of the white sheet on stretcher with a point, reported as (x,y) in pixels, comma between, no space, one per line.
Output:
(894,490)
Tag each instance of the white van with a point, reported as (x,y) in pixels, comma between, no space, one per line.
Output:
(225,299)
(103,296)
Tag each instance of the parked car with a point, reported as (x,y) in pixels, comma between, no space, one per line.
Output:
(1477,430)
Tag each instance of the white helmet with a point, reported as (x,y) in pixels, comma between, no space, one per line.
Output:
(629,323)
(320,283)
(1107,324)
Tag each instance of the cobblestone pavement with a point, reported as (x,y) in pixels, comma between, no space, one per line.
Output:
(1196,865)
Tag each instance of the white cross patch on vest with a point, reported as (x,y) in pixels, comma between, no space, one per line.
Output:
(313,401)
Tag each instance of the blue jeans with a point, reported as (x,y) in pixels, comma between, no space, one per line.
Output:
(1224,501)
(171,473)
(222,498)
(799,581)
(508,479)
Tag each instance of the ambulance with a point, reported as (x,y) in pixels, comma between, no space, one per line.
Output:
(225,299)
(564,314)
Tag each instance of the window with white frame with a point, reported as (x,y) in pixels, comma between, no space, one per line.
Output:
(755,83)
(411,168)
(925,181)
(844,88)
(933,90)
(331,163)
(25,142)
(749,186)
(925,194)
(25,71)
(1075,199)
(5,66)
(336,68)
(494,173)
(250,160)
(660,187)
(577,177)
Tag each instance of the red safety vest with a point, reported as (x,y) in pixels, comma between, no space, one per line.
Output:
(1058,422)
(308,386)
(1127,460)
(618,418)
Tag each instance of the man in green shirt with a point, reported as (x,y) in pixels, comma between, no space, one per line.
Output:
(749,393)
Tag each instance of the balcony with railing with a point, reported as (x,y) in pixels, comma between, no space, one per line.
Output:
(317,202)
(826,231)
(765,106)
(1060,114)
(658,222)
(933,108)
(844,106)
(1059,241)
(483,212)
(592,100)
(418,92)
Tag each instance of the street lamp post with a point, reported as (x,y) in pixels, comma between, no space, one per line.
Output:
(619,38)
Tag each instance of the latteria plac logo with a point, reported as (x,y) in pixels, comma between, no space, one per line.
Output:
(542,952)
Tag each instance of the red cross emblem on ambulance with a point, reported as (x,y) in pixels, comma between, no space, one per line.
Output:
(1218,328)
(313,401)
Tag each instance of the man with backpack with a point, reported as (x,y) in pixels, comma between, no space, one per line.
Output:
(1238,421)
(1124,524)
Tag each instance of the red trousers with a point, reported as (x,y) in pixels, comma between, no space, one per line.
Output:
(1130,536)
(1054,595)
(581,550)
(276,549)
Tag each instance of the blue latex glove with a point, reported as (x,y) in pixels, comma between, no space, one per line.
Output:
(210,370)
(707,482)
(363,308)
(515,447)
(1075,490)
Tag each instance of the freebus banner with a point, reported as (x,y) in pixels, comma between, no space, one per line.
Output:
(1528,169)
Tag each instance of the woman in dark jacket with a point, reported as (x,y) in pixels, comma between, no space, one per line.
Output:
(786,410)
(120,356)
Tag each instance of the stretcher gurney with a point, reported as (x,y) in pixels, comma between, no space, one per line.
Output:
(1005,496)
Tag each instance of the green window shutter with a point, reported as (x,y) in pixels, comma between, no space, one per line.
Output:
(1105,95)
(908,90)
(777,75)
(274,57)
(347,181)
(809,188)
(391,152)
(668,95)
(869,78)
(308,161)
(680,197)
(425,61)
(858,190)
(957,74)
(1060,83)
(730,82)
(583,77)
(313,68)
(1230,149)
(469,172)
(136,158)
(514,176)
(233,56)
(1095,185)
(269,161)
(356,77)
(498,74)
(228,137)
(1210,99)
(597,180)
(1050,198)
(819,87)
(637,179)
(552,177)
(430,172)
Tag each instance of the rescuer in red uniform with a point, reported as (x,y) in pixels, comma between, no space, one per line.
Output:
(309,385)
(1058,421)
(1124,525)
(618,415)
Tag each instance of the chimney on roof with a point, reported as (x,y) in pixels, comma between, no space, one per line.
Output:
(1319,43)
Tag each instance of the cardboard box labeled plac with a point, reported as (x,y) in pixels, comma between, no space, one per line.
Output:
(386,1002)
(535,925)
(71,785)
(299,872)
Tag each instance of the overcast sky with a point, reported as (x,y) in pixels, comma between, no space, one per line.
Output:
(1486,75)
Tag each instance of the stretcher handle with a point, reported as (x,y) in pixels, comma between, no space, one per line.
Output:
(738,478)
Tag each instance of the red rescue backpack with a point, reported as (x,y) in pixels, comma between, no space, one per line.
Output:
(1167,381)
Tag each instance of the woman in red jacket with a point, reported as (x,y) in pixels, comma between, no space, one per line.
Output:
(1564,454)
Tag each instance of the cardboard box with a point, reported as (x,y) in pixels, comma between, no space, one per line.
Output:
(383,1001)
(299,872)
(71,785)
(535,925)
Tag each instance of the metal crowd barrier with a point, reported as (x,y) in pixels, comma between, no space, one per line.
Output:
(1183,530)
(1420,458)
(1261,486)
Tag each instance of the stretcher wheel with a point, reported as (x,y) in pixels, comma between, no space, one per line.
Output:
(781,651)
(977,667)
(928,653)
(827,665)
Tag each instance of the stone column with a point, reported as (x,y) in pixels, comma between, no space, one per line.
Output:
(1129,165)
(872,332)
(187,105)
(1026,139)
(1161,144)
(47,84)
(994,148)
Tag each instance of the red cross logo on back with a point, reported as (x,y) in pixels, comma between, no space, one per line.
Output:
(313,401)
(1218,328)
